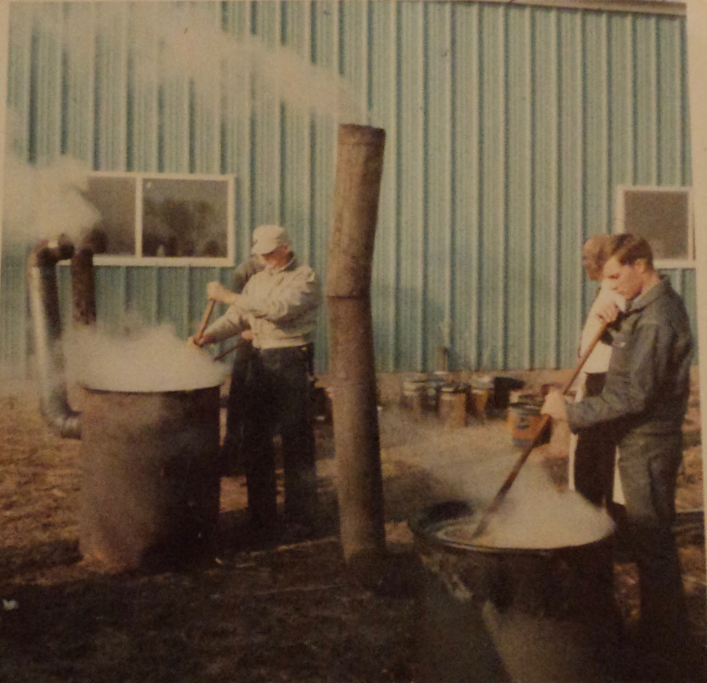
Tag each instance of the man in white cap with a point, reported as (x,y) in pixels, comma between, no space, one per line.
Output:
(279,304)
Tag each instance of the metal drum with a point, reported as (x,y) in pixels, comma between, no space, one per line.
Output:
(150,488)
(453,404)
(495,615)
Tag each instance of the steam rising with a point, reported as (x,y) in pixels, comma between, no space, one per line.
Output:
(146,360)
(46,201)
(471,465)
(534,514)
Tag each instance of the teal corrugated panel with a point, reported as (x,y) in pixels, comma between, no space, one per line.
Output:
(546,189)
(14,323)
(266,123)
(205,96)
(493,182)
(579,123)
(45,98)
(685,145)
(466,120)
(410,158)
(326,53)
(144,94)
(79,75)
(621,99)
(383,107)
(141,293)
(595,102)
(519,199)
(646,99)
(111,295)
(237,150)
(111,87)
(508,128)
(437,183)
(174,300)
(297,178)
(19,65)
(671,101)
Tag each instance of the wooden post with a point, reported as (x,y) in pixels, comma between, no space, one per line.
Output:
(352,366)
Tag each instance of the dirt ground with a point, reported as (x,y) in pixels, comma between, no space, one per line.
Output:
(289,614)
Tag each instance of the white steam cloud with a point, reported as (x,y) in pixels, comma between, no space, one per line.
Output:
(472,464)
(144,360)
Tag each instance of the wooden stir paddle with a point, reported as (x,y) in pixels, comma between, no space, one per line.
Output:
(205,319)
(500,496)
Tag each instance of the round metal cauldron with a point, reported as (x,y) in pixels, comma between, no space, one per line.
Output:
(150,488)
(495,615)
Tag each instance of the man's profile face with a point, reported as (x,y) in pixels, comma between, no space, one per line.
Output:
(625,279)
(278,257)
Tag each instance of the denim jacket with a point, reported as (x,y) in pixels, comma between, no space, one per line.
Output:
(648,380)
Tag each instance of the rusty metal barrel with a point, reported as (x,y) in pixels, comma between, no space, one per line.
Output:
(496,615)
(150,488)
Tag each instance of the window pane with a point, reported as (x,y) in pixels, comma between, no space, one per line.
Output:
(184,217)
(662,217)
(115,200)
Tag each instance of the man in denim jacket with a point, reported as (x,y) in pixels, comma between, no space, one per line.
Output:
(645,398)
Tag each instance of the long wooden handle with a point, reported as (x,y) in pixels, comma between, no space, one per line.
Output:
(205,319)
(499,497)
(242,342)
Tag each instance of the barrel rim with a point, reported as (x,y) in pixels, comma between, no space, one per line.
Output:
(425,522)
(145,392)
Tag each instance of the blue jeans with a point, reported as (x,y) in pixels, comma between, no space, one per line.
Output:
(649,466)
(277,399)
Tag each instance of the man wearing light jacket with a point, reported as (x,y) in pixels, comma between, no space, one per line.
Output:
(279,304)
(645,398)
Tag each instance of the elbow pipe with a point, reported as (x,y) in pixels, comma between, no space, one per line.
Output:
(46,324)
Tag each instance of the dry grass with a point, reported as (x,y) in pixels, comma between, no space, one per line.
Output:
(290,614)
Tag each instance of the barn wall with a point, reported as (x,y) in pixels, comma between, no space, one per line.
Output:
(508,128)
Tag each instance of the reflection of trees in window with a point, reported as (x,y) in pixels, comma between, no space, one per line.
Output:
(173,227)
(184,218)
(160,216)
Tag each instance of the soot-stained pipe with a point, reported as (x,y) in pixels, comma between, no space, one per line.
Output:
(348,283)
(83,289)
(46,323)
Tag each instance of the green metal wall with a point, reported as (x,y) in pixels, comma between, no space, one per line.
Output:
(508,129)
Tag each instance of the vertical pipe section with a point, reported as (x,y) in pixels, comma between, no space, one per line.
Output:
(83,289)
(352,366)
(46,323)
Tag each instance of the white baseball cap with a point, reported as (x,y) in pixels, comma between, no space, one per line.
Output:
(267,238)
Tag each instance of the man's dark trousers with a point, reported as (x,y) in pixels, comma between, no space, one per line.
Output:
(278,400)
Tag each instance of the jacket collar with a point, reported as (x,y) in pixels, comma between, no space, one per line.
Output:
(290,265)
(651,295)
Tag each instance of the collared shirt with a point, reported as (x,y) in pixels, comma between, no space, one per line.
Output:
(280,306)
(648,380)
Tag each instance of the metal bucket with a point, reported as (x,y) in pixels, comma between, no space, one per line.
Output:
(150,488)
(453,403)
(524,420)
(414,393)
(495,615)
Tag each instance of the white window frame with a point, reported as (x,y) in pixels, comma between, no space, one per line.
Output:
(172,261)
(619,226)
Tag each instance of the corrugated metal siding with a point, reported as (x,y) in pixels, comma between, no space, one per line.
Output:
(508,128)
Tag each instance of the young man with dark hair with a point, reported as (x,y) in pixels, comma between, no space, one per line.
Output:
(645,398)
